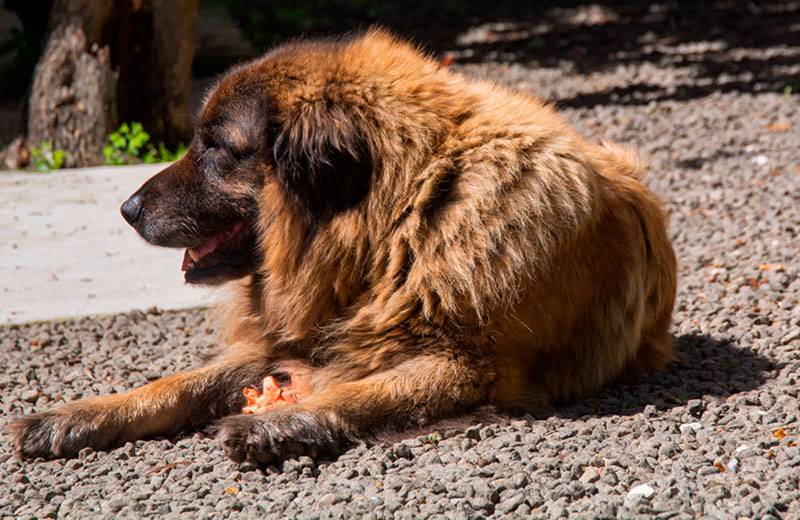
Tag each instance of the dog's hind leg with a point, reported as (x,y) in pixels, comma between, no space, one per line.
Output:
(161,408)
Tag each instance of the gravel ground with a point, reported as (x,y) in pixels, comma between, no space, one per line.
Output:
(714,436)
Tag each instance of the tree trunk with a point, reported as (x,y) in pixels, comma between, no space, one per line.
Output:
(109,61)
(72,103)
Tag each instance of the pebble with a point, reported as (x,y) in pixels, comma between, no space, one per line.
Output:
(641,491)
(30,395)
(690,427)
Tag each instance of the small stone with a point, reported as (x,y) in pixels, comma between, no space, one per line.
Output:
(403,451)
(519,480)
(85,453)
(473,432)
(792,335)
(512,503)
(74,464)
(695,407)
(117,502)
(760,160)
(328,499)
(690,427)
(744,451)
(30,395)
(639,492)
(590,474)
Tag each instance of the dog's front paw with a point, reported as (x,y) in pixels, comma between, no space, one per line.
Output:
(274,436)
(60,433)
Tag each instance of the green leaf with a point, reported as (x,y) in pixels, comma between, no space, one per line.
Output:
(151,156)
(180,152)
(163,153)
(58,159)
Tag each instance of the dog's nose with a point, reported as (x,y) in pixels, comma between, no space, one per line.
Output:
(132,209)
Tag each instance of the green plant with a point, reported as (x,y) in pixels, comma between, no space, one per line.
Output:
(126,144)
(787,90)
(432,438)
(44,158)
(164,155)
(130,144)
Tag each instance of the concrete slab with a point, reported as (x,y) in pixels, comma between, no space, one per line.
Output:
(66,251)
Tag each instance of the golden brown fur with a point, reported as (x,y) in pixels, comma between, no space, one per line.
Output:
(496,257)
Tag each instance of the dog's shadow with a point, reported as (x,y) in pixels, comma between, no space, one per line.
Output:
(704,367)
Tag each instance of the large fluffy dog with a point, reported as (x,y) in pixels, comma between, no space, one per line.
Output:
(415,243)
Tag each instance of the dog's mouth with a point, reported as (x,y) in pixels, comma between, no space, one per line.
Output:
(228,254)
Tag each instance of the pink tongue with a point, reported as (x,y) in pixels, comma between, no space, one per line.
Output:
(208,247)
(199,252)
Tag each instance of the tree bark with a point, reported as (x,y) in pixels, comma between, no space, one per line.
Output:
(72,103)
(109,61)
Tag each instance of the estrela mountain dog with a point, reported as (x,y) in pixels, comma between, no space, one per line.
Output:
(405,242)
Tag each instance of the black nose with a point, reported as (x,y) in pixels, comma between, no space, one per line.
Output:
(132,209)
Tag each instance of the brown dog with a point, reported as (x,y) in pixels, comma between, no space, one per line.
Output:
(413,242)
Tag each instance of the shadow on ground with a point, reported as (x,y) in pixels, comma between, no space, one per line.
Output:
(705,366)
(732,46)
(718,46)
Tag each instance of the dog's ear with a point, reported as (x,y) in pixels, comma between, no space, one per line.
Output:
(323,157)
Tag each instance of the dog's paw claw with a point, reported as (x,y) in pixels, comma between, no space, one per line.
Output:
(33,436)
(275,436)
(57,433)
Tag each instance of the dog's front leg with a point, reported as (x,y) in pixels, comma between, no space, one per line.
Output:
(163,407)
(414,392)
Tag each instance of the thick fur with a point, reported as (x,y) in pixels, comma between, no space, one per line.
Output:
(426,243)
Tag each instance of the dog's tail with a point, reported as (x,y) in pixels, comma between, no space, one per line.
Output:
(621,160)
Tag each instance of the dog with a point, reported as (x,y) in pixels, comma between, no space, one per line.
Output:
(412,243)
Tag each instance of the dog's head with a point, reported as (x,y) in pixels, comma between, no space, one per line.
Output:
(262,124)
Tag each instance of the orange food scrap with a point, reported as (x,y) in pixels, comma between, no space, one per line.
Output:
(779,433)
(273,395)
(777,127)
(720,467)
(251,395)
(231,490)
(770,267)
(269,397)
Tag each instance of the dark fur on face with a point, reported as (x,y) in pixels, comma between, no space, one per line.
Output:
(320,156)
(211,194)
